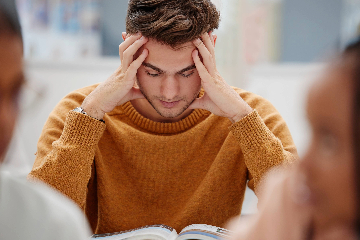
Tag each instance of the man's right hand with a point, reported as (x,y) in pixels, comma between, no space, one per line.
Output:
(119,87)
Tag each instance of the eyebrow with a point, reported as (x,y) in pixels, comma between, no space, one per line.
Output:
(161,71)
(187,69)
(152,67)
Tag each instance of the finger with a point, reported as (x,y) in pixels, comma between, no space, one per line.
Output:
(202,70)
(212,38)
(129,40)
(134,66)
(206,55)
(128,55)
(208,43)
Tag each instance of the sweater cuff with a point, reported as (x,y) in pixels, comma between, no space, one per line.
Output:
(251,131)
(82,130)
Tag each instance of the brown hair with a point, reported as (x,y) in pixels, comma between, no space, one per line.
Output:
(172,22)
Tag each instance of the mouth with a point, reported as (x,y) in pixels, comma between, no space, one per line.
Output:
(169,104)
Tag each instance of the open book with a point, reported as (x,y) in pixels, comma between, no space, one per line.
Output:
(163,232)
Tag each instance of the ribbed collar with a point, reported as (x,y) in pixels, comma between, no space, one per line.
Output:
(166,128)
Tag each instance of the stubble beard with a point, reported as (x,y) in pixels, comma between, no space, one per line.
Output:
(163,114)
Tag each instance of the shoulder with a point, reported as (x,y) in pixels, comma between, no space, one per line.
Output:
(72,100)
(75,98)
(83,91)
(271,117)
(262,105)
(32,210)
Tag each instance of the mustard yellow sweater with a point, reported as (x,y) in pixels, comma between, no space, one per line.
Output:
(131,171)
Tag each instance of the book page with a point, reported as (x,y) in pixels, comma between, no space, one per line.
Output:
(152,232)
(203,232)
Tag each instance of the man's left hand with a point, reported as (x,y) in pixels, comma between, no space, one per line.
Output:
(219,98)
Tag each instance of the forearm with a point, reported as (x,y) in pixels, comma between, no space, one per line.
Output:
(262,150)
(67,166)
(280,214)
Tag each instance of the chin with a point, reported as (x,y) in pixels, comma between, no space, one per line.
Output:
(169,113)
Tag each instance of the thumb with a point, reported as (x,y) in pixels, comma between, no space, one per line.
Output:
(135,93)
(198,103)
(201,103)
(195,104)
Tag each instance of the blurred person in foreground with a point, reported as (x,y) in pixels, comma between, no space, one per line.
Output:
(319,197)
(164,139)
(27,210)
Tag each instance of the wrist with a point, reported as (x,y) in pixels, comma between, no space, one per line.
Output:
(242,114)
(93,111)
(81,110)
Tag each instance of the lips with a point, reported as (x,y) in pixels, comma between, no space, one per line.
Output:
(169,104)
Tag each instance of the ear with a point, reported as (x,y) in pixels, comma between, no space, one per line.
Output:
(215,37)
(123,34)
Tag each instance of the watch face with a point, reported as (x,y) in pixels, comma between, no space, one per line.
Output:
(78,109)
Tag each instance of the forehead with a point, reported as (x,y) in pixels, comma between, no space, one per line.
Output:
(10,60)
(168,58)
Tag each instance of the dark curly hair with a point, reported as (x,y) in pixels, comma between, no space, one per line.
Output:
(172,22)
(9,21)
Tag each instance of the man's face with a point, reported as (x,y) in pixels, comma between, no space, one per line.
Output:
(168,79)
(11,80)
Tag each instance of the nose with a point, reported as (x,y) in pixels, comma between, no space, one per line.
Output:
(170,88)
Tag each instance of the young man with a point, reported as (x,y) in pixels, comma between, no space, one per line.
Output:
(164,140)
(27,210)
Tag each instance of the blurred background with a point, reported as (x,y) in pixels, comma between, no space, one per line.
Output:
(275,48)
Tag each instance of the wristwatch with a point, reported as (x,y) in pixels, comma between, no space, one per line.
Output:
(81,110)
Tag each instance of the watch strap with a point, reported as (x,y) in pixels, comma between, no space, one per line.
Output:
(81,110)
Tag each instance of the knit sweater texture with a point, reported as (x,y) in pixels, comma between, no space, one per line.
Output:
(131,171)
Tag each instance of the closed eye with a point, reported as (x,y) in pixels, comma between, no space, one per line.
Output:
(152,74)
(187,74)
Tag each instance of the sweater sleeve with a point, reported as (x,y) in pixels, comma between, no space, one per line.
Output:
(66,150)
(265,142)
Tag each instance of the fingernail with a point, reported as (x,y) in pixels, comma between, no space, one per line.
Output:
(197,41)
(138,34)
